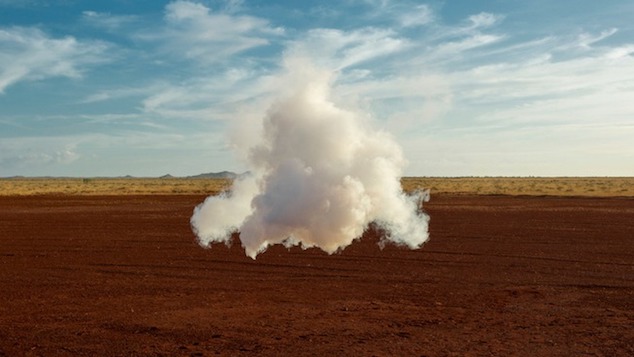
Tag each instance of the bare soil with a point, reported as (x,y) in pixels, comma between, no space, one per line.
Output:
(501,275)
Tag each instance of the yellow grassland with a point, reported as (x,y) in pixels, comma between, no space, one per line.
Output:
(531,186)
(111,186)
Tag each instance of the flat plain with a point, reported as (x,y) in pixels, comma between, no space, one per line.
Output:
(532,186)
(120,274)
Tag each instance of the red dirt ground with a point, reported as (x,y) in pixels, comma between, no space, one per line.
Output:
(122,275)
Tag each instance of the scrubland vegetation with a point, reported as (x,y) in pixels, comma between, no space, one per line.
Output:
(539,186)
(110,186)
(531,186)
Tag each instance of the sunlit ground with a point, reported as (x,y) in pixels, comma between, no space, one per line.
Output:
(560,186)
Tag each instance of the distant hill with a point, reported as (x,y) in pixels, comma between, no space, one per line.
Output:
(216,175)
(209,175)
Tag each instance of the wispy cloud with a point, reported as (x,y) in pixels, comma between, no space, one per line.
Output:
(191,98)
(338,49)
(419,15)
(479,90)
(421,80)
(592,79)
(20,3)
(586,40)
(121,92)
(197,32)
(37,152)
(108,21)
(483,20)
(27,53)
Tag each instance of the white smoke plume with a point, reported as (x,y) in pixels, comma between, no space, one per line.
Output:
(319,177)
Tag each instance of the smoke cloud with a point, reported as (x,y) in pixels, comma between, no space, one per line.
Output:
(318,177)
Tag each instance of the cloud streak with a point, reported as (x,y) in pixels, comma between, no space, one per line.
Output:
(199,33)
(35,153)
(29,54)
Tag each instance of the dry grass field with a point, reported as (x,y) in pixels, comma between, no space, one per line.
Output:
(529,186)
(110,186)
(514,186)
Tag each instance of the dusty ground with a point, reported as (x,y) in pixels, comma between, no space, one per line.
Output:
(122,275)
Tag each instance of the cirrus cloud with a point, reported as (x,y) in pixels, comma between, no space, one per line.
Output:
(28,53)
(196,32)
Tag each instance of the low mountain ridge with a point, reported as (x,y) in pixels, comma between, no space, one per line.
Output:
(215,175)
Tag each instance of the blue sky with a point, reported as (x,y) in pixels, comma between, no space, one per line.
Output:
(514,88)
